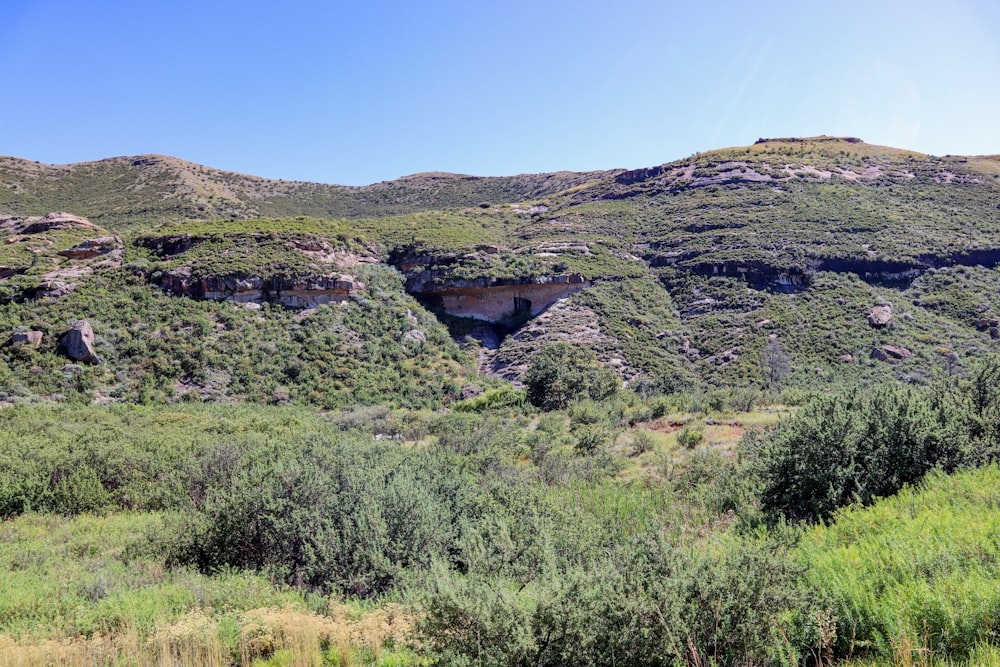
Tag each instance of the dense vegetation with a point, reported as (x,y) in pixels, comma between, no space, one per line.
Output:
(516,540)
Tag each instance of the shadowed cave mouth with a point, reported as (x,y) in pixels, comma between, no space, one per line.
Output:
(489,333)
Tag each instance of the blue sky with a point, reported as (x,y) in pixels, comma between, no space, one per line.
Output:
(362,91)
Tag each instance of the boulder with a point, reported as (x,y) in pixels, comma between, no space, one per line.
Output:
(78,342)
(26,337)
(470,391)
(879,316)
(897,352)
(847,358)
(92,247)
(879,354)
(415,335)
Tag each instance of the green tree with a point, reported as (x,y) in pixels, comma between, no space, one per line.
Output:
(562,373)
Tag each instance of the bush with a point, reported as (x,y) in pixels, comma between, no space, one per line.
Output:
(645,602)
(642,442)
(853,447)
(562,373)
(691,435)
(352,519)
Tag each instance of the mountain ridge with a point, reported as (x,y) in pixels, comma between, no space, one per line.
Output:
(164,187)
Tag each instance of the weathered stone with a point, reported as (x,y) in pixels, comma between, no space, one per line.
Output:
(879,316)
(56,220)
(470,391)
(305,292)
(415,335)
(994,332)
(78,342)
(493,300)
(897,352)
(26,337)
(101,245)
(879,354)
(8,271)
(846,357)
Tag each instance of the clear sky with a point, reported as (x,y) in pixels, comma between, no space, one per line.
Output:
(360,91)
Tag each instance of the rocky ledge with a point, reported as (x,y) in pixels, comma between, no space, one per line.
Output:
(495,299)
(292,292)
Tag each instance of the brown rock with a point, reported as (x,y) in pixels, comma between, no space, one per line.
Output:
(897,352)
(92,247)
(78,342)
(879,316)
(26,337)
(982,323)
(846,357)
(994,332)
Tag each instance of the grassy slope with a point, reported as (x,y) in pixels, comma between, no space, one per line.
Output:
(129,193)
(157,347)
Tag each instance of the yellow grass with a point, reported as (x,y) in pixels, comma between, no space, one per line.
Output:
(299,638)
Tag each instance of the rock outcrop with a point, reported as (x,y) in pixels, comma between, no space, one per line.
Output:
(292,292)
(90,248)
(494,300)
(78,343)
(56,220)
(566,321)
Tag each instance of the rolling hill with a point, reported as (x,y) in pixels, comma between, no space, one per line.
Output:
(842,260)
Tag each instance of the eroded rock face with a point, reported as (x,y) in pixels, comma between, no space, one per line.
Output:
(78,343)
(496,300)
(565,321)
(56,220)
(307,292)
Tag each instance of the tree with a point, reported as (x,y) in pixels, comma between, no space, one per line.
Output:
(775,362)
(562,373)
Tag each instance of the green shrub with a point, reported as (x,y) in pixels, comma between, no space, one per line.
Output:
(645,602)
(562,373)
(642,442)
(691,434)
(853,447)
(353,519)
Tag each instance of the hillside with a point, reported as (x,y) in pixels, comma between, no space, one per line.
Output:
(789,262)
(126,193)
(737,409)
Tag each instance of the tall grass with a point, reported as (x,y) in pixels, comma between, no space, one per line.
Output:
(84,591)
(915,577)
